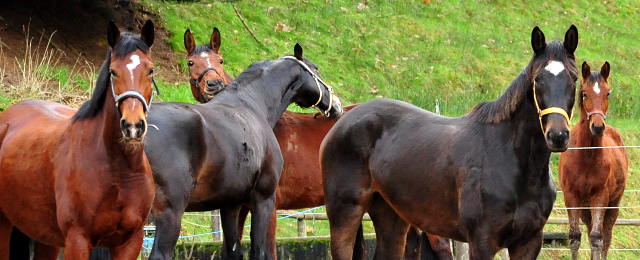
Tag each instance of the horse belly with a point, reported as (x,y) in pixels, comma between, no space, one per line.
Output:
(425,200)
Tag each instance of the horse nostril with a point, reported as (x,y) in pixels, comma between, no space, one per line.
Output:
(211,83)
(141,126)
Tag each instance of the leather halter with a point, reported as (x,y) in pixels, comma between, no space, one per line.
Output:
(219,81)
(549,110)
(596,112)
(318,80)
(134,94)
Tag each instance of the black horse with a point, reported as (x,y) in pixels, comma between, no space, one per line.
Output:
(482,178)
(222,154)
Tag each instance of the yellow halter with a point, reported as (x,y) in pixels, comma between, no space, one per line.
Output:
(550,110)
(318,80)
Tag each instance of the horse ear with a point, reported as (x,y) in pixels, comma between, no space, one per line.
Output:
(147,34)
(297,51)
(571,39)
(215,40)
(604,71)
(189,42)
(586,70)
(113,34)
(538,43)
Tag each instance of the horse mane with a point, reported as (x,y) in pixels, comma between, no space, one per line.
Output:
(503,108)
(254,70)
(128,44)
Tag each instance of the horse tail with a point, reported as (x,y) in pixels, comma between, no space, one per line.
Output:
(359,247)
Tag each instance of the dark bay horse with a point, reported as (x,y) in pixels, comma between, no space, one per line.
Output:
(593,177)
(81,179)
(482,178)
(299,136)
(223,154)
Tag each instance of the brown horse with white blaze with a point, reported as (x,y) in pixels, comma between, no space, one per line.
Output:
(593,177)
(85,172)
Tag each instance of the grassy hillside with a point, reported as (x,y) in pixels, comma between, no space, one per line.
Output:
(416,51)
(425,52)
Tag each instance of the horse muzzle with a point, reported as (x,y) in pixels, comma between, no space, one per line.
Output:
(557,138)
(133,132)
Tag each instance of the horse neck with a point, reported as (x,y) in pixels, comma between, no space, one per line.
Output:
(103,132)
(530,141)
(266,95)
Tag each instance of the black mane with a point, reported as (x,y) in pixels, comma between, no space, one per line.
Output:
(128,44)
(503,108)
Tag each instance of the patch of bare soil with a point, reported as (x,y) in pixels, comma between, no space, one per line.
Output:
(80,28)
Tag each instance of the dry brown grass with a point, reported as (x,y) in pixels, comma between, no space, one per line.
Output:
(44,77)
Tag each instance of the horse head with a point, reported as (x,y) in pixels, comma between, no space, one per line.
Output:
(554,85)
(594,97)
(131,73)
(206,74)
(313,91)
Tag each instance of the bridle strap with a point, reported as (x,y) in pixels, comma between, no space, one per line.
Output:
(133,93)
(318,80)
(546,111)
(596,112)
(197,82)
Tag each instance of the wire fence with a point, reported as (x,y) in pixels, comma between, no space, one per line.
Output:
(148,242)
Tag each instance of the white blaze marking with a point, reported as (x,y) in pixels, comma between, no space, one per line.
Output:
(135,61)
(206,56)
(596,88)
(555,67)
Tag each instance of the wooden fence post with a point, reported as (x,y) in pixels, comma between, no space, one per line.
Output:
(302,227)
(461,250)
(216,225)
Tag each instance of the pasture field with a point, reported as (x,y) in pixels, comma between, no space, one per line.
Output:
(436,54)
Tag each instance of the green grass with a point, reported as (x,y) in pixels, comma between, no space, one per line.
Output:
(459,54)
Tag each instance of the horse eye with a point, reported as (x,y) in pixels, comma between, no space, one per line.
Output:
(608,94)
(113,73)
(221,61)
(151,72)
(584,95)
(190,63)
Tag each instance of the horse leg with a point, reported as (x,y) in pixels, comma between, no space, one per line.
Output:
(168,222)
(597,221)
(242,218)
(481,247)
(76,245)
(271,235)
(391,230)
(232,249)
(131,249)
(575,235)
(609,220)
(5,236)
(45,252)
(262,207)
(440,245)
(528,250)
(412,247)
